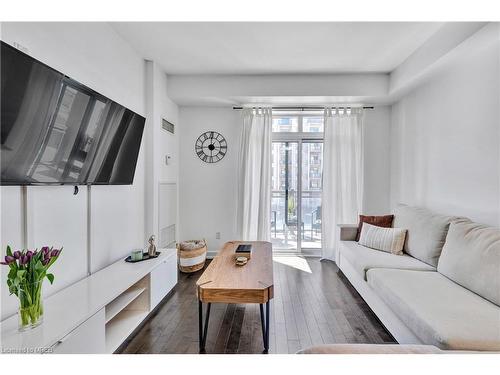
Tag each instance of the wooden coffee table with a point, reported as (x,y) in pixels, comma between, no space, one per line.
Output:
(225,282)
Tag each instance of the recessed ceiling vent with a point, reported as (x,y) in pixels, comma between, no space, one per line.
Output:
(168,126)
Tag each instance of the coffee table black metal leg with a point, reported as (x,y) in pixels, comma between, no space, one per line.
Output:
(264,321)
(209,305)
(268,320)
(200,323)
(203,329)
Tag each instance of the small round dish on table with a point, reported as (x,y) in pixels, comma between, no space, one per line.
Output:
(241,261)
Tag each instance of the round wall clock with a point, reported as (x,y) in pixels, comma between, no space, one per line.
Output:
(211,147)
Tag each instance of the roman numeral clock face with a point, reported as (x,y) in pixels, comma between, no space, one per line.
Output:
(211,147)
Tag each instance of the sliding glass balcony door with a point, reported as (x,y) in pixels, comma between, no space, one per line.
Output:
(297,165)
(284,197)
(312,167)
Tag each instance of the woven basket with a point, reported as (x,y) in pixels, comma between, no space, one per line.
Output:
(192,255)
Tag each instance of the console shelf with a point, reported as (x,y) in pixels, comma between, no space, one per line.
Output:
(96,314)
(121,326)
(126,312)
(121,302)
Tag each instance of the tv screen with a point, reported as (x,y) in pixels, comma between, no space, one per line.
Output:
(54,130)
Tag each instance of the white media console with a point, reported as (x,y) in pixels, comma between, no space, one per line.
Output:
(96,314)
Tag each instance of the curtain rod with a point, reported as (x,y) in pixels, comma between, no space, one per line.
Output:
(304,108)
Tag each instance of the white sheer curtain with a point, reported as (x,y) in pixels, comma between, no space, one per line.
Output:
(254,182)
(342,173)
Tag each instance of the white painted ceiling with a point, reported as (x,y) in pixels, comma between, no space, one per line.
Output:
(276,47)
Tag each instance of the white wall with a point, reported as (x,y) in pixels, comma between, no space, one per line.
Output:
(445,135)
(431,54)
(160,144)
(93,54)
(377,161)
(208,192)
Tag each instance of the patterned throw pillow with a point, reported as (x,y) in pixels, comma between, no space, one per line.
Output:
(390,240)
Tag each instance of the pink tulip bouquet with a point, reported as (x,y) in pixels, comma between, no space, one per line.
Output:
(27,271)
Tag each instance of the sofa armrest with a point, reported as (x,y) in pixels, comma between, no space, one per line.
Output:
(347,232)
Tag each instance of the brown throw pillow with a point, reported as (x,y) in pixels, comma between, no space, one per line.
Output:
(379,221)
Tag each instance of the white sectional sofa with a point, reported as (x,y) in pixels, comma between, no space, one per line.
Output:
(445,289)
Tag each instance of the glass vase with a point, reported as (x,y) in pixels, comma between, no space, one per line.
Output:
(30,305)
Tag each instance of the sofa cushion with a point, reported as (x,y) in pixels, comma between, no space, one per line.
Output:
(426,232)
(363,258)
(390,240)
(471,258)
(437,310)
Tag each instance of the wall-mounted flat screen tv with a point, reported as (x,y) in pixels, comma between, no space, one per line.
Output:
(54,130)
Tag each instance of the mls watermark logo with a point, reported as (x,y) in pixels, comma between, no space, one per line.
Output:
(34,350)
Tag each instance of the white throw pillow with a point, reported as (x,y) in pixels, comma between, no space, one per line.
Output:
(390,240)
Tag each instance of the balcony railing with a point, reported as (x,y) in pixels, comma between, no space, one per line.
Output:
(285,228)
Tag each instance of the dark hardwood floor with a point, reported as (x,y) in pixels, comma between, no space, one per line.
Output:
(309,308)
